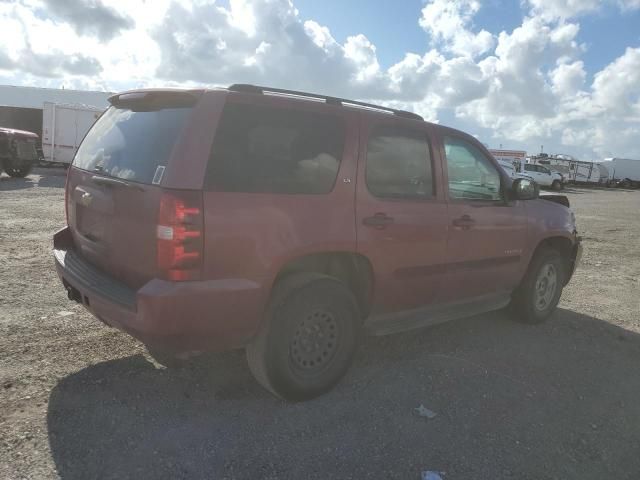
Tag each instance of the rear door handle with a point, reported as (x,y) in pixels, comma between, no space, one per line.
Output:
(465,221)
(379,220)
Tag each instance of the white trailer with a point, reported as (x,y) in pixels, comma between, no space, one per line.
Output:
(624,171)
(574,171)
(63,128)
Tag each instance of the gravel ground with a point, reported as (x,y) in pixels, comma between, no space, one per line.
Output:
(558,401)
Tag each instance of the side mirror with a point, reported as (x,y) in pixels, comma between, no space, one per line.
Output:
(524,189)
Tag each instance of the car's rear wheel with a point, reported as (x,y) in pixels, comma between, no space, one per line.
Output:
(556,185)
(539,293)
(17,170)
(308,339)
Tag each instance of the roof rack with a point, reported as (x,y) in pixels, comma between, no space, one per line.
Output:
(247,88)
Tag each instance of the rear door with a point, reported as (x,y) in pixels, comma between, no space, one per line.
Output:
(401,216)
(113,186)
(278,186)
(486,234)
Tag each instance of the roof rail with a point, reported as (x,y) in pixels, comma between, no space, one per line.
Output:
(247,88)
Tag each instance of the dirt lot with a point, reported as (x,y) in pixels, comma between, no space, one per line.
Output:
(558,401)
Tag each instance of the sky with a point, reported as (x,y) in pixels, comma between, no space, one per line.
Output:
(558,75)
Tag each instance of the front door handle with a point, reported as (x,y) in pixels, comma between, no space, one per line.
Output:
(465,221)
(379,220)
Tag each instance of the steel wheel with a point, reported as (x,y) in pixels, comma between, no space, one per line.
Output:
(545,287)
(538,294)
(309,337)
(314,342)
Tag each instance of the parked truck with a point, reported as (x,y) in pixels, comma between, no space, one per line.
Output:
(624,172)
(18,151)
(63,128)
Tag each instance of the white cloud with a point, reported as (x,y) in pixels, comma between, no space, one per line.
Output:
(568,78)
(617,87)
(564,9)
(447,22)
(524,87)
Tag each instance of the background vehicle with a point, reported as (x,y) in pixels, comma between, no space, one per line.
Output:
(287,222)
(17,151)
(572,170)
(624,172)
(510,170)
(543,176)
(63,128)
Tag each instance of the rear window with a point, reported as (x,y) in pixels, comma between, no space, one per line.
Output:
(132,145)
(274,150)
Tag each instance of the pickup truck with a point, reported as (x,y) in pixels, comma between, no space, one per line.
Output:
(18,151)
(543,176)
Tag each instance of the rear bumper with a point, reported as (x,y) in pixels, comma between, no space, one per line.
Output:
(174,316)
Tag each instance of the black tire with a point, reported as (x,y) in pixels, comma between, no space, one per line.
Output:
(556,185)
(526,305)
(17,171)
(308,338)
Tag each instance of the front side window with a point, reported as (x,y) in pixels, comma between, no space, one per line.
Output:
(274,150)
(471,175)
(398,163)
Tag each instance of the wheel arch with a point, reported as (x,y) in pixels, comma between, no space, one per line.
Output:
(559,243)
(351,268)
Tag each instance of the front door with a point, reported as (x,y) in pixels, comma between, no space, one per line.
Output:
(540,174)
(486,234)
(401,214)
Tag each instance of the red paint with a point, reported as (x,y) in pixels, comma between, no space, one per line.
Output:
(243,240)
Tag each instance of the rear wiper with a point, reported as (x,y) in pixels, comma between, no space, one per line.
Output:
(114,182)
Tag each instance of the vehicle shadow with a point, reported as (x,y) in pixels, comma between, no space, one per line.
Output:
(52,181)
(40,177)
(559,400)
(9,183)
(578,189)
(571,190)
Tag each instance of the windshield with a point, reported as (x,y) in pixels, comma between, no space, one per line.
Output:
(131,144)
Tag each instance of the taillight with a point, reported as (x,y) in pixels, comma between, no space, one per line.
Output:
(180,236)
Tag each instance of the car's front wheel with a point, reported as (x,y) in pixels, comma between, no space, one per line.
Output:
(556,185)
(308,339)
(539,293)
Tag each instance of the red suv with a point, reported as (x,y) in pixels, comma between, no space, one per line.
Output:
(287,223)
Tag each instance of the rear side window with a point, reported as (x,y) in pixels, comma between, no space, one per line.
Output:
(398,163)
(272,150)
(131,144)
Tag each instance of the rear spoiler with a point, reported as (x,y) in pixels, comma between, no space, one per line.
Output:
(155,99)
(561,199)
